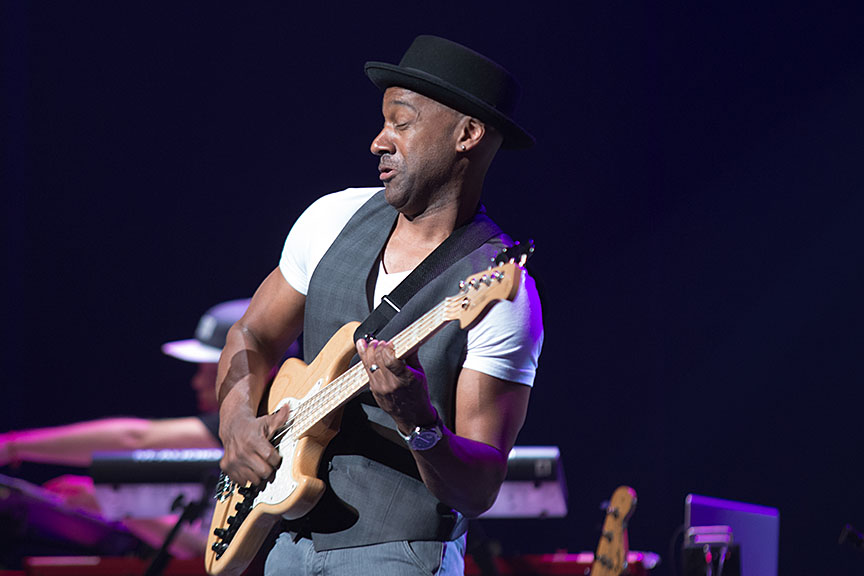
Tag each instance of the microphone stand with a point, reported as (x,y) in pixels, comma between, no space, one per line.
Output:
(480,548)
(191,512)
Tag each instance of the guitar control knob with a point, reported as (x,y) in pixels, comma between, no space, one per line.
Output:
(230,520)
(219,532)
(219,548)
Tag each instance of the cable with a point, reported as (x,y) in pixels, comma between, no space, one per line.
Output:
(676,566)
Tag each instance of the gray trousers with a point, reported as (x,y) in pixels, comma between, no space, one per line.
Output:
(421,558)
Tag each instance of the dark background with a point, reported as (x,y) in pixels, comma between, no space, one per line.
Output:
(695,196)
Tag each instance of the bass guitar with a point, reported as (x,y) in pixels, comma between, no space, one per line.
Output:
(315,394)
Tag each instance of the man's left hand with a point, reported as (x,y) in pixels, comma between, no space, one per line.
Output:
(399,388)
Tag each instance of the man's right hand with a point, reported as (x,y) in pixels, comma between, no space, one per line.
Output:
(253,346)
(249,456)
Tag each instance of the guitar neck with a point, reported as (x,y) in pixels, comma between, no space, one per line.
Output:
(354,380)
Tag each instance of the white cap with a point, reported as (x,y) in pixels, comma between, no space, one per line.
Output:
(209,335)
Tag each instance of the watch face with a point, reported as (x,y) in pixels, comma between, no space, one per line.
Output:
(425,439)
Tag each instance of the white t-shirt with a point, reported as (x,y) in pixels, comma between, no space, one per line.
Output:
(505,344)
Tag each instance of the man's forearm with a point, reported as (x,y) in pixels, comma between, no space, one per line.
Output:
(242,381)
(463,473)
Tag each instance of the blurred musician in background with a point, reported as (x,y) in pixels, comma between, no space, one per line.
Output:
(74,444)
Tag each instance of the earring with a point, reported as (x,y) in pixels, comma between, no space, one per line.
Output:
(463,147)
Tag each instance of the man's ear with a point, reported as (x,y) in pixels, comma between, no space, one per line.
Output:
(471,133)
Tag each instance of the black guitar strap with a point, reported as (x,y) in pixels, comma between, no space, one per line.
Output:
(459,244)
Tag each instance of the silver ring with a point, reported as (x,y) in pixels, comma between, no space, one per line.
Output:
(373,368)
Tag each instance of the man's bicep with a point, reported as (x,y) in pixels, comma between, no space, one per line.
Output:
(275,314)
(489,409)
(256,342)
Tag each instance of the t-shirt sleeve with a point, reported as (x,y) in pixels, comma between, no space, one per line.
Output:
(507,342)
(314,232)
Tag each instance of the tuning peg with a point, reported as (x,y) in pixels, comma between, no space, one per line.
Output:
(608,535)
(517,252)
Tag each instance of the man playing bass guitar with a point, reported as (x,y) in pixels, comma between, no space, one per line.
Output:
(403,465)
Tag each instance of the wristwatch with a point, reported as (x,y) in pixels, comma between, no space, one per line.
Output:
(424,437)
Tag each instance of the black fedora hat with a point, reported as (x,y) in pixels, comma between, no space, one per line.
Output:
(459,78)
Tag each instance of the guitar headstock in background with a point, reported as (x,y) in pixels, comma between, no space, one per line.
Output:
(611,556)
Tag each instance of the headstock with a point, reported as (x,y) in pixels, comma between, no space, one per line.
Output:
(517,253)
(481,290)
(611,556)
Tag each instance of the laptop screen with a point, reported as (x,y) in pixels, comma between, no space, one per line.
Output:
(756,529)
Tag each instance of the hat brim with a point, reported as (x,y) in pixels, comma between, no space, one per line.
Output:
(192,351)
(385,75)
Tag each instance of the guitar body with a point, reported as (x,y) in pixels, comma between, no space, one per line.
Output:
(295,488)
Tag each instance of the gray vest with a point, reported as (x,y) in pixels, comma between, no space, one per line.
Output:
(374,491)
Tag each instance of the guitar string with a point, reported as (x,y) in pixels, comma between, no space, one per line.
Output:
(350,381)
(353,379)
(433,320)
(335,390)
(341,388)
(309,412)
